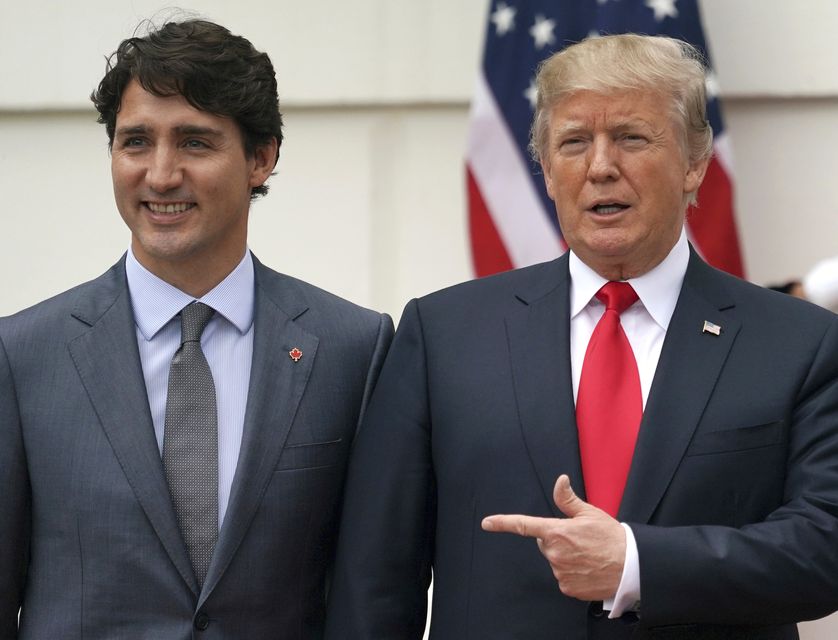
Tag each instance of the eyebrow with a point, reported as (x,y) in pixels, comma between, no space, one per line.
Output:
(195,130)
(128,131)
(183,129)
(620,126)
(568,127)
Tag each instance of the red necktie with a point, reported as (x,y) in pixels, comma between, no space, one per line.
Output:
(609,405)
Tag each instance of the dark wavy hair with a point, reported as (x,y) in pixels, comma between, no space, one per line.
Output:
(211,68)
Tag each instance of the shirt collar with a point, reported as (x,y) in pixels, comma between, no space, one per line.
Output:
(156,302)
(657,289)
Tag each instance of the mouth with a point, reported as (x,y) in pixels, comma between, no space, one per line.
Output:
(168,208)
(608,208)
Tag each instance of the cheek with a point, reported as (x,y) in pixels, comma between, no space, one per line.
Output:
(548,180)
(226,180)
(571,221)
(116,172)
(124,175)
(119,184)
(564,186)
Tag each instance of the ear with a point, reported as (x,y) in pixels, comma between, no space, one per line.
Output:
(265,161)
(695,175)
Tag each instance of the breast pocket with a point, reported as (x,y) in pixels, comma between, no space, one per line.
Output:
(311,455)
(739,439)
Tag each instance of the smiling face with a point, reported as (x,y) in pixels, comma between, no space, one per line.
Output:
(182,183)
(616,167)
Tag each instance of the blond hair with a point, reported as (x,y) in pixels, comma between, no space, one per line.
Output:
(627,62)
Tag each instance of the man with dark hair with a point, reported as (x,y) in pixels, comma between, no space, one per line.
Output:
(623,443)
(212,69)
(174,433)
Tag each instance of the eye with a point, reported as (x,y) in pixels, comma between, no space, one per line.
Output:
(133,141)
(194,143)
(572,145)
(634,139)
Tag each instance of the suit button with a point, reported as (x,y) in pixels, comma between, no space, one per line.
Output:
(202,621)
(595,609)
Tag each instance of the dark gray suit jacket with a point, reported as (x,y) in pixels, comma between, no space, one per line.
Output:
(89,545)
(732,493)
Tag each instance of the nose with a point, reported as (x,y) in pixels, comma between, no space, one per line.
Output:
(164,172)
(602,160)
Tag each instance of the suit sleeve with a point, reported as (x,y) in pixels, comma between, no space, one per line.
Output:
(781,570)
(383,566)
(14,504)
(382,343)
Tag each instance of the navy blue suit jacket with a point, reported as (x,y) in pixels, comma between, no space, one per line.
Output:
(732,493)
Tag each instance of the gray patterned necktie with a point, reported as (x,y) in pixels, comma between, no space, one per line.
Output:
(190,441)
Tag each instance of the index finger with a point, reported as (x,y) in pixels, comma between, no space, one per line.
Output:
(526,526)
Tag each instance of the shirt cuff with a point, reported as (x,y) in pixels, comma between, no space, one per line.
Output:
(627,597)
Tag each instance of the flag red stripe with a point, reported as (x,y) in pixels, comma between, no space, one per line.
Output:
(712,223)
(487,250)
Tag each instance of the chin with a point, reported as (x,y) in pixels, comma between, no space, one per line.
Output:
(610,242)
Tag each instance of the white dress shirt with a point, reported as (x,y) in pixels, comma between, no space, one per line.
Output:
(645,324)
(227,343)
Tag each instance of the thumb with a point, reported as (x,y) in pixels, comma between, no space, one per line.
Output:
(566,500)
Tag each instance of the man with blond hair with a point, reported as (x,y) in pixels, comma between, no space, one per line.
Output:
(621,443)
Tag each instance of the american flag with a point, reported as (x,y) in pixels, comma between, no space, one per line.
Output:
(511,219)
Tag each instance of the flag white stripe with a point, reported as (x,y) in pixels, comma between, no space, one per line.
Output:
(724,152)
(505,184)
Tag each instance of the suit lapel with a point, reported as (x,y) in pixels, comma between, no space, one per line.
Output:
(108,362)
(277,384)
(539,353)
(690,363)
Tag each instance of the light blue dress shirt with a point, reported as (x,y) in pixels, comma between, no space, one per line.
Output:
(227,342)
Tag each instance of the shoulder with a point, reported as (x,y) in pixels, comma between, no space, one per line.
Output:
(499,293)
(752,299)
(312,305)
(84,301)
(770,321)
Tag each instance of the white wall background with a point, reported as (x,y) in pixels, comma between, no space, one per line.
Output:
(368,201)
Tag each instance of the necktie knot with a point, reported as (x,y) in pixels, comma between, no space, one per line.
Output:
(617,296)
(194,318)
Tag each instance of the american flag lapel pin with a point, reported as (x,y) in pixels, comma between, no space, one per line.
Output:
(295,354)
(711,327)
